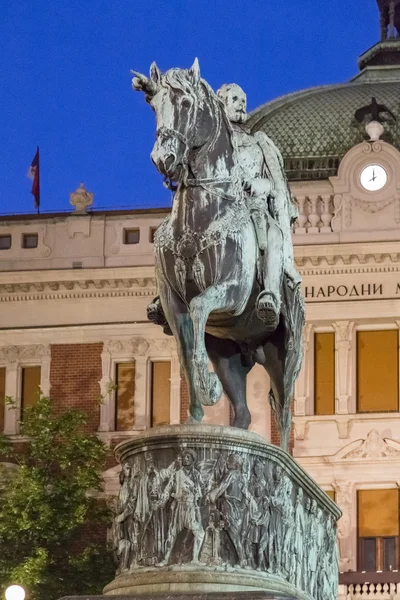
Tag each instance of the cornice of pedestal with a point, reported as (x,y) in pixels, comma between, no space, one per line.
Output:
(73,283)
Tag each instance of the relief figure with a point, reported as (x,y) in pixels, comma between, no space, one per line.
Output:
(276,524)
(185,487)
(259,514)
(123,526)
(298,542)
(232,496)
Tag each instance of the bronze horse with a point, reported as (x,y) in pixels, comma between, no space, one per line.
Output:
(206,256)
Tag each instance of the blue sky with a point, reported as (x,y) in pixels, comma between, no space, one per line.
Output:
(65,70)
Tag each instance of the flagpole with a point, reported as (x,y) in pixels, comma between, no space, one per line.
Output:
(34,174)
(38,171)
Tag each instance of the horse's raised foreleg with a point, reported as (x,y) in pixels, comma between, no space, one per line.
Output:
(180,322)
(232,371)
(213,299)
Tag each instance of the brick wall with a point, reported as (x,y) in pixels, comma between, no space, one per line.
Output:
(75,373)
(275,438)
(185,406)
(184,398)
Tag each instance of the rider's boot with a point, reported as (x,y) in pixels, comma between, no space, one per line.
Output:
(268,310)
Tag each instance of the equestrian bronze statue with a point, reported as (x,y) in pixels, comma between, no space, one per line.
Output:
(228,288)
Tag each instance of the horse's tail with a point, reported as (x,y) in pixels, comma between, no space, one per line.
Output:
(293,314)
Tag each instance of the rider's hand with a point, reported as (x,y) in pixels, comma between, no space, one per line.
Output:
(258,187)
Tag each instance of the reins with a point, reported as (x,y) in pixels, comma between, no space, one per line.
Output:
(206,183)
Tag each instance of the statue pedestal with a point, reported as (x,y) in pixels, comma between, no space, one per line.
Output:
(205,508)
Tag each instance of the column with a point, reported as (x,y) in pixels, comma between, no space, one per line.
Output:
(107,406)
(142,400)
(45,372)
(343,365)
(304,384)
(175,388)
(326,215)
(12,414)
(347,525)
(314,217)
(302,218)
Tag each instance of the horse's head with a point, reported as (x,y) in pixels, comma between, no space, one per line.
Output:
(177,98)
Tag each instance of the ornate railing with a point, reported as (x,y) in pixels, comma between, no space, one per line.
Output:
(315,214)
(383,585)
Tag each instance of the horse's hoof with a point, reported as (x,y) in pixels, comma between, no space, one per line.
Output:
(242,421)
(214,391)
(192,421)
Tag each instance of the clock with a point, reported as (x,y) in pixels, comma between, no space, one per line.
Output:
(373,178)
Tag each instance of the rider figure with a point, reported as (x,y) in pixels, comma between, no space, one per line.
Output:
(269,202)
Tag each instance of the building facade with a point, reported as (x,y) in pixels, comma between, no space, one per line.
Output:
(74,288)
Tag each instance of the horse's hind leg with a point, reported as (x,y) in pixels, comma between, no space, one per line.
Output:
(180,322)
(228,365)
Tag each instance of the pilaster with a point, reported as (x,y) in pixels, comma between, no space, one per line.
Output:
(346,500)
(175,388)
(12,412)
(142,397)
(106,406)
(304,384)
(343,363)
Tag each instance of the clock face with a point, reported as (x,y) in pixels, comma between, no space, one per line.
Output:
(373,177)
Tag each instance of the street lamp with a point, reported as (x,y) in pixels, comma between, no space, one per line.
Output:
(15,592)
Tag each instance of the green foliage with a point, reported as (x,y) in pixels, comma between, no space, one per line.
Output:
(49,512)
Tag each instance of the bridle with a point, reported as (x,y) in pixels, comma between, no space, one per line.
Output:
(165,132)
(207,183)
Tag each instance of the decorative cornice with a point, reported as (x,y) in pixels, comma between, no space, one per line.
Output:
(138,346)
(352,263)
(89,288)
(12,354)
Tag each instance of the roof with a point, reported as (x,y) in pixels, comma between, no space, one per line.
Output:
(315,128)
(92,213)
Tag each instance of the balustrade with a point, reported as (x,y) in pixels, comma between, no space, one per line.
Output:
(315,214)
(371,586)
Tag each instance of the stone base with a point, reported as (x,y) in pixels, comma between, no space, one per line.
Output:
(186,579)
(254,595)
(206,509)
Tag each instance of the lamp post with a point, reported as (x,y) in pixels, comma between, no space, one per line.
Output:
(15,592)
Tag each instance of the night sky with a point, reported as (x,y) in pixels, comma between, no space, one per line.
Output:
(66,83)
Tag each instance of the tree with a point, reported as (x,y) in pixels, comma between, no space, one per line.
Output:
(50,512)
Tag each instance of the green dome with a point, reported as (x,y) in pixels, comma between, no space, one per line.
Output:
(315,128)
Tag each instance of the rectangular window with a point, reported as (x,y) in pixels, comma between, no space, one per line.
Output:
(160,393)
(5,242)
(377,371)
(125,396)
(324,373)
(131,236)
(331,494)
(378,530)
(30,240)
(152,234)
(30,388)
(2,396)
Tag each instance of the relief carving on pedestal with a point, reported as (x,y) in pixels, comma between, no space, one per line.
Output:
(223,508)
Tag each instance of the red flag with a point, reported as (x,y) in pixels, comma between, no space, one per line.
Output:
(34,174)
